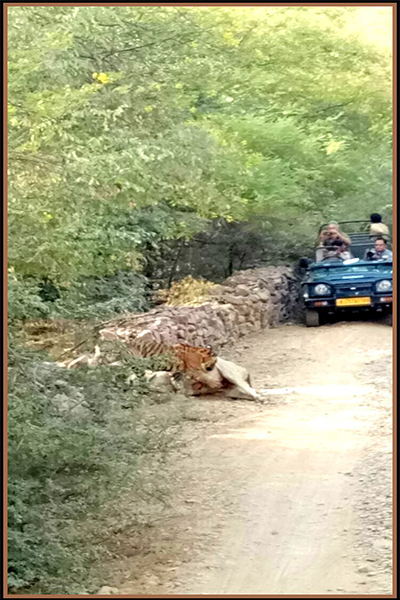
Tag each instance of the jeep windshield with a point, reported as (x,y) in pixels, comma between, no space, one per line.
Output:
(340,269)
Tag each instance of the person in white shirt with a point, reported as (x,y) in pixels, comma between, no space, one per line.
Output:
(380,251)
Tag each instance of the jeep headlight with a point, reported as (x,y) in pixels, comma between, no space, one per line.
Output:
(322,289)
(384,286)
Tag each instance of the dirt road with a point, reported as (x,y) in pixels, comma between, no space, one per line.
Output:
(291,496)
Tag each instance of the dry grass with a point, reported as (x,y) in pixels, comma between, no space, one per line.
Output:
(57,336)
(188,292)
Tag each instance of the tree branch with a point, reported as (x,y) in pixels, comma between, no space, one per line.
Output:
(35,160)
(175,263)
(309,115)
(134,48)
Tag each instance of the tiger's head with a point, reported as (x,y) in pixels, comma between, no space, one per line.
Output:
(197,359)
(209,358)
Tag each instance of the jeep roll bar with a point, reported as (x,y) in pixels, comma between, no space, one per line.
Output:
(344,223)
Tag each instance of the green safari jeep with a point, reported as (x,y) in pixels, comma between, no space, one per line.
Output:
(342,286)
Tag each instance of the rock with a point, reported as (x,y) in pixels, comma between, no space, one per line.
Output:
(146,335)
(242,290)
(160,380)
(247,301)
(169,338)
(108,334)
(363,570)
(264,296)
(233,299)
(61,383)
(107,590)
(245,329)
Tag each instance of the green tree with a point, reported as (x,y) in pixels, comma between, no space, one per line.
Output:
(133,125)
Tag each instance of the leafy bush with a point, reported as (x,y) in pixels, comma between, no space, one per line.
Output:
(104,296)
(91,298)
(24,301)
(75,439)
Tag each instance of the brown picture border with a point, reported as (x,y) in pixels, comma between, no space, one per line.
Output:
(8,5)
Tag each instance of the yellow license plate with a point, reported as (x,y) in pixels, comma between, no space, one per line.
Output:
(353,301)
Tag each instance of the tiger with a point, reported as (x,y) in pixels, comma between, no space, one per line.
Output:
(184,357)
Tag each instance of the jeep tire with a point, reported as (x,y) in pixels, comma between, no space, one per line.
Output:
(312,318)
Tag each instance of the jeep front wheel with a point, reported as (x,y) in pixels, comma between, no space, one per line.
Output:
(312,318)
(387,319)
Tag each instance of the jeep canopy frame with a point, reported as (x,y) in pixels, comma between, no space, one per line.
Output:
(367,221)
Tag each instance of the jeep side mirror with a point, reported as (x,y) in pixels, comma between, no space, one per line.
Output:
(303,263)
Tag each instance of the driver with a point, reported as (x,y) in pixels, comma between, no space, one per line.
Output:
(337,250)
(341,248)
(379,252)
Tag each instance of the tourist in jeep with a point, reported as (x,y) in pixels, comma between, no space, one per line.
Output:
(331,233)
(327,236)
(335,252)
(377,228)
(379,252)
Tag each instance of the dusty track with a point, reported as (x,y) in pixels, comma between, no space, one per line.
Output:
(292,496)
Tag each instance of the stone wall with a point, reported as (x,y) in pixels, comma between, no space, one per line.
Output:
(246,302)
